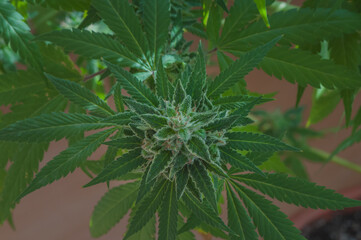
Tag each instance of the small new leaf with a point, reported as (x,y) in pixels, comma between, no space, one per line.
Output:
(198,147)
(159,163)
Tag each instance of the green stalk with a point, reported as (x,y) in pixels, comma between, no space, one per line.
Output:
(336,159)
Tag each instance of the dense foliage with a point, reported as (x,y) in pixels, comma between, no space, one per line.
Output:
(183,141)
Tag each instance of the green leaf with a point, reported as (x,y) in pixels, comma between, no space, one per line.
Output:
(354,138)
(238,160)
(214,23)
(192,222)
(274,163)
(198,147)
(48,127)
(261,5)
(223,61)
(119,167)
(118,97)
(346,50)
(223,5)
(67,5)
(182,177)
(241,13)
(356,122)
(186,105)
(296,65)
(165,133)
(204,212)
(191,187)
(237,102)
(147,232)
(179,93)
(256,142)
(156,23)
(159,163)
(134,87)
(125,142)
(58,62)
(197,79)
(299,26)
(323,103)
(67,161)
(161,80)
(297,191)
(168,214)
(81,96)
(348,96)
(270,222)
(91,18)
(123,118)
(147,207)
(121,18)
(17,33)
(224,123)
(185,235)
(112,207)
(203,182)
(300,92)
(26,160)
(94,45)
(238,69)
(18,86)
(138,107)
(179,163)
(154,121)
(238,219)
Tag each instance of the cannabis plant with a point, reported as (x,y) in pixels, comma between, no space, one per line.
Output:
(178,140)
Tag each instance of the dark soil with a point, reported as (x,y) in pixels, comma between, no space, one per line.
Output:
(341,226)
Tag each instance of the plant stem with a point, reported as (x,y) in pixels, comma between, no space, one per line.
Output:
(338,160)
(86,78)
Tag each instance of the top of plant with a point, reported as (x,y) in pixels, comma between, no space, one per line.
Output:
(177,136)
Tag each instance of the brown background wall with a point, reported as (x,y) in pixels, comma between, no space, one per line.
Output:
(61,211)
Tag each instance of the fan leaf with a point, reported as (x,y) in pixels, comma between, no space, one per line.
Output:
(121,18)
(238,69)
(168,214)
(17,33)
(81,96)
(156,23)
(256,142)
(147,207)
(119,167)
(53,126)
(112,207)
(67,161)
(270,222)
(94,45)
(297,191)
(134,87)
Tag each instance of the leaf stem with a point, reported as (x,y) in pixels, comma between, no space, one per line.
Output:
(87,78)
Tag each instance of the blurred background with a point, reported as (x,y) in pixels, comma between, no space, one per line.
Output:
(62,210)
